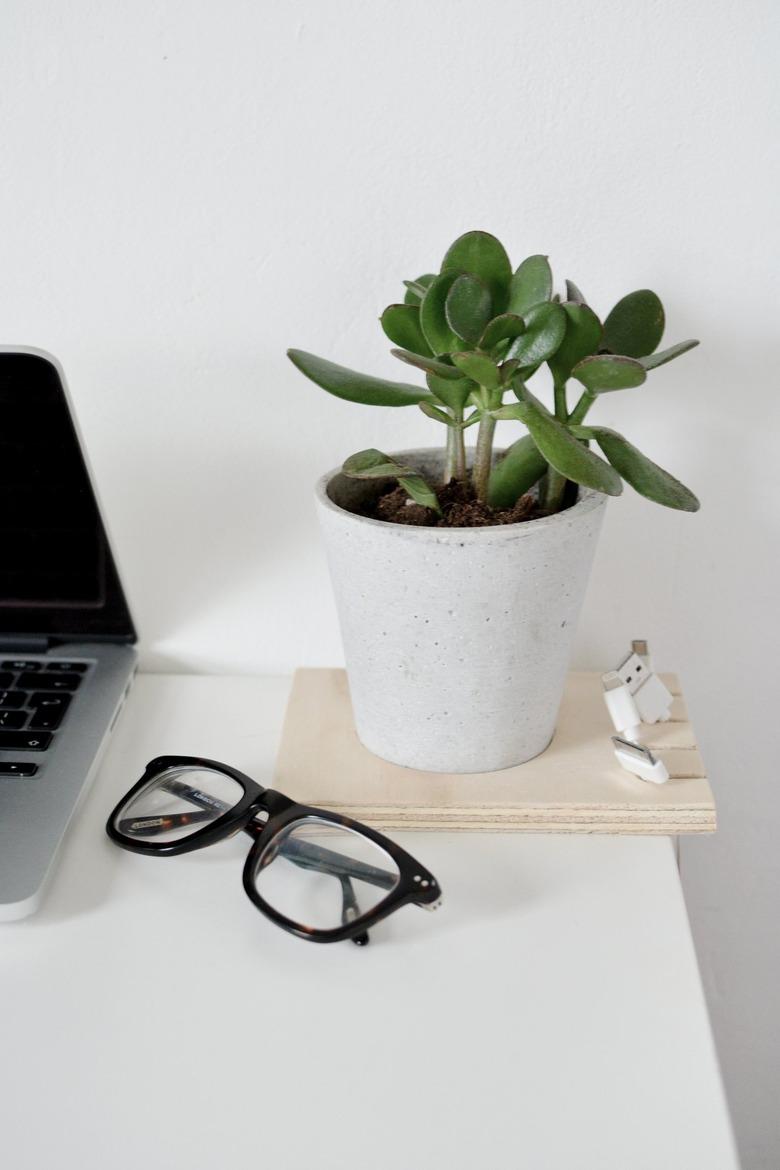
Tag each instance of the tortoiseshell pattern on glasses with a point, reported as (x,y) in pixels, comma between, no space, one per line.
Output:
(415,884)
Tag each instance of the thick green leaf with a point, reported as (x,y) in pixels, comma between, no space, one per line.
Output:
(573,294)
(373,464)
(545,328)
(435,413)
(502,328)
(468,307)
(652,361)
(433,318)
(479,368)
(352,386)
(636,324)
(582,338)
(421,492)
(645,477)
(454,394)
(482,255)
(567,454)
(431,365)
(401,324)
(514,410)
(531,284)
(604,372)
(416,289)
(370,464)
(515,474)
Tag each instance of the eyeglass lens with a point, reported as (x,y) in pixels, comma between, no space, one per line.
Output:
(177,803)
(320,875)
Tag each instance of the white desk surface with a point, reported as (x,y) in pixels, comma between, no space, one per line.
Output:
(549,1016)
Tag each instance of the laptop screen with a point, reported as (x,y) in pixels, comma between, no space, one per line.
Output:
(57,574)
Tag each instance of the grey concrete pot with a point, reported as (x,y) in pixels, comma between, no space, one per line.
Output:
(457,640)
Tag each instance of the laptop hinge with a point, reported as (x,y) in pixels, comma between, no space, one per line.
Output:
(30,643)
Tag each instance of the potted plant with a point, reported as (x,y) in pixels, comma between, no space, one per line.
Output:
(459,573)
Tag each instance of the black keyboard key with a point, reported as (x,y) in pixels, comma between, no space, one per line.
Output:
(20,664)
(13,720)
(74,667)
(49,682)
(6,679)
(24,741)
(49,699)
(12,698)
(14,769)
(48,714)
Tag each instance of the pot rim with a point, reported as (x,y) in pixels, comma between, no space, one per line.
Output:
(587,502)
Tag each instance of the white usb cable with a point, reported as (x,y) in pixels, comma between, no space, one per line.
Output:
(634,694)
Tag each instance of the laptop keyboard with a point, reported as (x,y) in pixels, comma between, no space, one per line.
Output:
(34,700)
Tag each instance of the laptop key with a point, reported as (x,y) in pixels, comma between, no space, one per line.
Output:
(50,700)
(20,664)
(17,769)
(6,679)
(13,719)
(61,665)
(24,741)
(12,698)
(48,715)
(49,682)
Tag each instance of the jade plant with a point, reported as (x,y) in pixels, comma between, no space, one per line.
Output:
(479,332)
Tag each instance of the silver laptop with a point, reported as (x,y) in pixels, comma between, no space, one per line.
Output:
(67,653)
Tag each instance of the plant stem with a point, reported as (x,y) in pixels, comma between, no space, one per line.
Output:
(554,489)
(583,406)
(484,456)
(460,451)
(555,483)
(449,462)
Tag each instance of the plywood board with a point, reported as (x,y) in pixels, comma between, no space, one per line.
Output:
(575,786)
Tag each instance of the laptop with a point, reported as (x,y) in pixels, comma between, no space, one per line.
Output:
(67,641)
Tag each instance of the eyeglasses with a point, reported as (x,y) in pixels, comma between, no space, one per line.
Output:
(317,874)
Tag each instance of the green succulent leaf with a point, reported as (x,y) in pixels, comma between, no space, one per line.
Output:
(479,368)
(421,492)
(636,324)
(468,307)
(645,477)
(652,361)
(373,464)
(582,338)
(505,327)
(531,284)
(433,317)
(484,256)
(573,294)
(453,393)
(431,365)
(522,466)
(566,453)
(435,413)
(545,328)
(352,386)
(401,324)
(604,372)
(514,410)
(473,418)
(416,289)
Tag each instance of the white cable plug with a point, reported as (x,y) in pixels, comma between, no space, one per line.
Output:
(634,694)
(620,704)
(640,761)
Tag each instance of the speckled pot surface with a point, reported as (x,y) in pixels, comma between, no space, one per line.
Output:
(457,640)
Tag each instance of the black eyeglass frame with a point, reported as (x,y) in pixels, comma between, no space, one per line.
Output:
(416,885)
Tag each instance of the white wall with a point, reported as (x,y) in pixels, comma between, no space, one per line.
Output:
(188,188)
